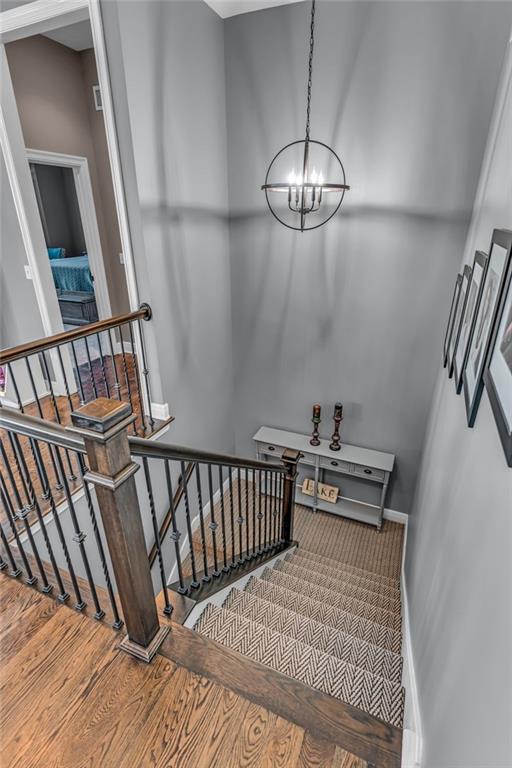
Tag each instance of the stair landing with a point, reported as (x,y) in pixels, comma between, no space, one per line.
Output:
(71,698)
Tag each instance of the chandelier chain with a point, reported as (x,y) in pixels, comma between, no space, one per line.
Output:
(310,67)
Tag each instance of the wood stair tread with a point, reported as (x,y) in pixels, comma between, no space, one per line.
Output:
(348,648)
(379,697)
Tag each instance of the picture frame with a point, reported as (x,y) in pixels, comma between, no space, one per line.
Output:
(498,368)
(497,270)
(457,318)
(467,329)
(449,327)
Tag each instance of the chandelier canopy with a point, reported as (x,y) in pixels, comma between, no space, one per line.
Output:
(306,189)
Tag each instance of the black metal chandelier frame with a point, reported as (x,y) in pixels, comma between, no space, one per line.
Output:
(298,192)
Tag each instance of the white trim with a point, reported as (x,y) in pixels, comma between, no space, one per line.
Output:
(396,517)
(39,17)
(160,411)
(8,403)
(113,151)
(80,168)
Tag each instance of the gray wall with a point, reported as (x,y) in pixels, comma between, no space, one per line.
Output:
(356,310)
(178,128)
(459,569)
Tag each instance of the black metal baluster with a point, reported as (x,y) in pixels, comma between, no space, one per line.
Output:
(79,538)
(253,511)
(20,406)
(212,524)
(135,364)
(127,377)
(102,363)
(176,534)
(24,510)
(35,505)
(145,371)
(117,386)
(118,622)
(58,484)
(225,567)
(55,406)
(91,370)
(281,516)
(267,514)
(194,583)
(56,518)
(15,571)
(240,518)
(11,517)
(158,543)
(274,512)
(247,549)
(260,513)
(78,374)
(232,517)
(206,576)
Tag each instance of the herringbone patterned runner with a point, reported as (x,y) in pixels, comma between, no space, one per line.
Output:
(354,685)
(332,568)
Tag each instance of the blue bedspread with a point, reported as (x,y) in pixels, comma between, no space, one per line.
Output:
(72,274)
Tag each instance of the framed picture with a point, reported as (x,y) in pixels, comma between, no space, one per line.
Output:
(497,267)
(453,309)
(498,371)
(469,317)
(457,319)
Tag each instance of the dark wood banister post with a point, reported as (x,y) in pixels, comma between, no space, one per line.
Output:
(290,459)
(103,425)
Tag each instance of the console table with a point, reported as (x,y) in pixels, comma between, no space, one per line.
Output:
(364,463)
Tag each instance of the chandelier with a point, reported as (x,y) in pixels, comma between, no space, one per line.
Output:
(305,191)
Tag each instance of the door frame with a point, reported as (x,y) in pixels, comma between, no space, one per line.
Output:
(80,168)
(35,18)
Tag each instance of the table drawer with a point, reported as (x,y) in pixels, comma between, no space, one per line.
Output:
(360,469)
(271,450)
(334,464)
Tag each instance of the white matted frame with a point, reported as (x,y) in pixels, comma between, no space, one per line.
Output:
(80,168)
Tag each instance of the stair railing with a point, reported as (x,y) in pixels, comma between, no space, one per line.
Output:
(247,519)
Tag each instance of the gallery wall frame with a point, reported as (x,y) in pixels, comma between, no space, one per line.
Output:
(467,329)
(486,319)
(457,318)
(498,367)
(451,316)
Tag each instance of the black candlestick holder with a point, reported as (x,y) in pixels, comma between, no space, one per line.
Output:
(336,439)
(315,440)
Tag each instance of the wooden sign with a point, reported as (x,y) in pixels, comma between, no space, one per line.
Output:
(325,492)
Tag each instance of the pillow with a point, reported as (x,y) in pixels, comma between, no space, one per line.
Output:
(56,253)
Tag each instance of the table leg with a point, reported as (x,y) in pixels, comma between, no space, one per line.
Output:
(382,502)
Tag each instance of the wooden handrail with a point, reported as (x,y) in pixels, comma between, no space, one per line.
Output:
(166,522)
(11,354)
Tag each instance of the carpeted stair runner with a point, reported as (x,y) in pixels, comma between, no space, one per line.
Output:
(334,627)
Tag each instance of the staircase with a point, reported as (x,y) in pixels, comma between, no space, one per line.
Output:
(329,625)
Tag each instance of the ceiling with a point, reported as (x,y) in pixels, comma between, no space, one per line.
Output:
(227,8)
(77,36)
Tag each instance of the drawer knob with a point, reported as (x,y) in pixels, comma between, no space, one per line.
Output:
(271,448)
(367,471)
(334,463)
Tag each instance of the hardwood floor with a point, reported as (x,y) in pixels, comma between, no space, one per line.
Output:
(71,699)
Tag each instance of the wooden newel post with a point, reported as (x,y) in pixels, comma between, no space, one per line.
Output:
(290,459)
(103,425)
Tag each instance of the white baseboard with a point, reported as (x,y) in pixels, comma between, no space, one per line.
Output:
(396,517)
(412,737)
(160,411)
(8,403)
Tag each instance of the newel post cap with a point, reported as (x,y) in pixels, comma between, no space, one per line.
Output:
(102,418)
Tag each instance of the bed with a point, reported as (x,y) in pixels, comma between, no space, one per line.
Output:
(72,274)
